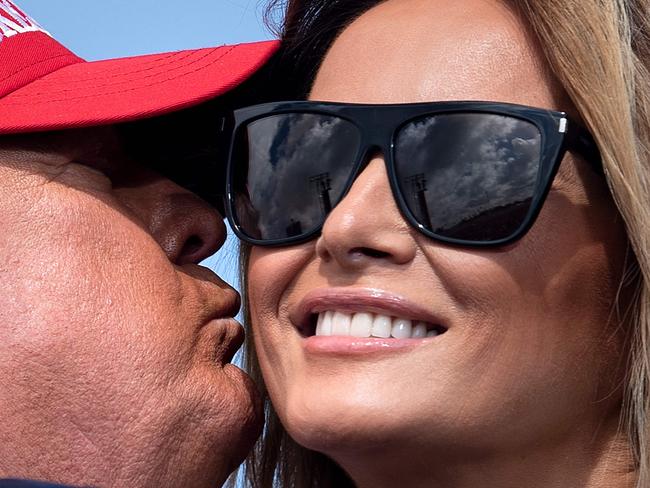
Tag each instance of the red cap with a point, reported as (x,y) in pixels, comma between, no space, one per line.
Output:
(44,86)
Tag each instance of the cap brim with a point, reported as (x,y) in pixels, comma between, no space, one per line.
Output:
(126,89)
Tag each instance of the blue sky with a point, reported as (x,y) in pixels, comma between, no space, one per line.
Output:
(96,29)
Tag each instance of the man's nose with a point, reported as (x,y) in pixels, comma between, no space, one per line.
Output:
(185,226)
(366,227)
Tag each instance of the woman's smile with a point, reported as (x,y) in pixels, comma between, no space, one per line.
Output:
(361,321)
(367,324)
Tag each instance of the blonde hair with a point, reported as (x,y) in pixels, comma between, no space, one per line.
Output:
(612,94)
(599,50)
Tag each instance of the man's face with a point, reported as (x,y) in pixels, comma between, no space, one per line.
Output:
(114,343)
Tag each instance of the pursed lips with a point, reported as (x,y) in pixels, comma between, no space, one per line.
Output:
(219,305)
(220,299)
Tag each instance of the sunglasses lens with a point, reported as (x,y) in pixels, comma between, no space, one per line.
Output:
(288,171)
(468,176)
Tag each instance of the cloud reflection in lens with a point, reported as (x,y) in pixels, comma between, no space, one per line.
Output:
(470,175)
(293,173)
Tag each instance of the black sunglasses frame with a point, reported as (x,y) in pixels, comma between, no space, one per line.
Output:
(378,125)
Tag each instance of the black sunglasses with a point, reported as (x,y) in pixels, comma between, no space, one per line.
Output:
(464,173)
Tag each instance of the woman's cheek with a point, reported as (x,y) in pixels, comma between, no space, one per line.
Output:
(271,274)
(272,277)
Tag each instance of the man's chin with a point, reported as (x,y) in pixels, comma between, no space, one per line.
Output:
(238,422)
(251,413)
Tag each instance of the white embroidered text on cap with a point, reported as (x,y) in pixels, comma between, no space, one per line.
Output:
(13,21)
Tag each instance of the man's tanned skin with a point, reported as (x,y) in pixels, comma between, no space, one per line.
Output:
(114,344)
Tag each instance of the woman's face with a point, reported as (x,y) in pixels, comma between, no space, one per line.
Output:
(532,348)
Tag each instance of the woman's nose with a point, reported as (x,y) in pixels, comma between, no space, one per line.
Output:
(366,227)
(185,226)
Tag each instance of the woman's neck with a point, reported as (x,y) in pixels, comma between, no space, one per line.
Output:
(593,460)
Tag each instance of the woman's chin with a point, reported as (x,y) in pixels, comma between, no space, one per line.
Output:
(331,424)
(333,434)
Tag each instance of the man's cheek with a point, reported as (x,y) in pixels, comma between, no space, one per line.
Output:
(73,278)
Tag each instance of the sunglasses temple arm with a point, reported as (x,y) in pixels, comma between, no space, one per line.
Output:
(581,141)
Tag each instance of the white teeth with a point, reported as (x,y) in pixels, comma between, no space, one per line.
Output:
(319,324)
(420,330)
(341,324)
(364,324)
(361,325)
(325,324)
(381,326)
(401,329)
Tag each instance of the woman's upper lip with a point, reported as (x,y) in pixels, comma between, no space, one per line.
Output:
(360,300)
